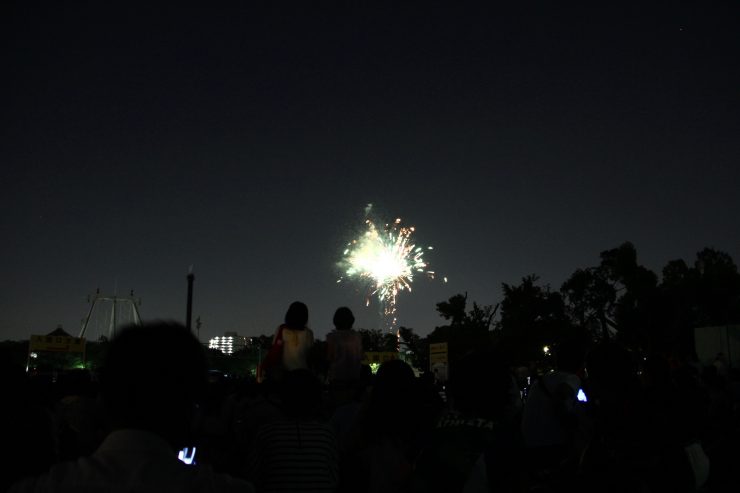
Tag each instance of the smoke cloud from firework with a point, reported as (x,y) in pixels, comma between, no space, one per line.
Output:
(386,260)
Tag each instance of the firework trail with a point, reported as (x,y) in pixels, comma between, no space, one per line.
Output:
(387,260)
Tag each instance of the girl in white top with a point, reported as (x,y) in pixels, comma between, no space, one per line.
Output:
(291,344)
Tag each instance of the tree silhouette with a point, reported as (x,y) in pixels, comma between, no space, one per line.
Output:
(617,297)
(717,288)
(705,294)
(378,340)
(532,316)
(468,330)
(454,309)
(636,286)
(590,300)
(415,347)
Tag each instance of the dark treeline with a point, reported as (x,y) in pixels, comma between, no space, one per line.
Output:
(618,300)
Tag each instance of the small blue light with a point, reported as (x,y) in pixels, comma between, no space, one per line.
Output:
(582,396)
(187,456)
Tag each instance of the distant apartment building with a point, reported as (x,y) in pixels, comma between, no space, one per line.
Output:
(229,343)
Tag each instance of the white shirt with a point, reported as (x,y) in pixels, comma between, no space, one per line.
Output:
(131,461)
(541,424)
(296,344)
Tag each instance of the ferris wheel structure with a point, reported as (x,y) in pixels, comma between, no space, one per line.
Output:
(115,310)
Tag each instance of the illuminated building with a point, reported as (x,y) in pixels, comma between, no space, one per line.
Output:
(229,343)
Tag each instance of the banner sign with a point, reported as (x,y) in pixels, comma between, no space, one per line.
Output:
(438,353)
(378,357)
(62,344)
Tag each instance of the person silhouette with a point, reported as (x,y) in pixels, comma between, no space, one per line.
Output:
(344,348)
(290,345)
(151,380)
(297,452)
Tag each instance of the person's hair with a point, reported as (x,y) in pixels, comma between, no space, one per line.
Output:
(392,409)
(343,318)
(297,316)
(480,384)
(394,378)
(152,377)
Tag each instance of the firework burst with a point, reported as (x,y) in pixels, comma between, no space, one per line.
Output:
(387,260)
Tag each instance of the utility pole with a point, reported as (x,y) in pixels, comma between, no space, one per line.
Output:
(189,313)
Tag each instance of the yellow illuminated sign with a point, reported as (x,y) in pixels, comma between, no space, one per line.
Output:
(378,357)
(61,344)
(438,353)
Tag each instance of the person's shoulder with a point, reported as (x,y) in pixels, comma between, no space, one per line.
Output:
(291,334)
(557,378)
(61,477)
(206,480)
(289,430)
(350,335)
(94,473)
(572,380)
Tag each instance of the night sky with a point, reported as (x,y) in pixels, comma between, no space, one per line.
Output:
(246,141)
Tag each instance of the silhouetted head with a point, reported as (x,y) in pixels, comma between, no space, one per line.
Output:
(343,318)
(297,316)
(152,378)
(480,384)
(393,401)
(394,379)
(301,394)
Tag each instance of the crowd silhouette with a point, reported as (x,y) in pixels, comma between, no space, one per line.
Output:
(604,419)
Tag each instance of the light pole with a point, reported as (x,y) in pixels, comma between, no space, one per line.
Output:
(189,313)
